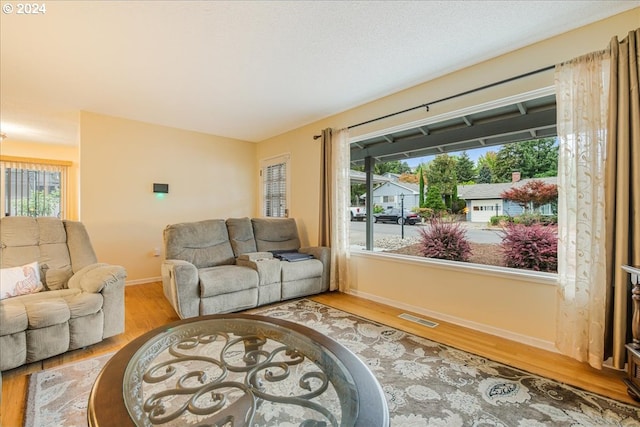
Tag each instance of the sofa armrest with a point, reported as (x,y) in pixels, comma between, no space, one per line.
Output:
(268,269)
(255,256)
(180,283)
(322,253)
(95,277)
(108,280)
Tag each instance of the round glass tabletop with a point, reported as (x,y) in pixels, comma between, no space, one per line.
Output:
(237,370)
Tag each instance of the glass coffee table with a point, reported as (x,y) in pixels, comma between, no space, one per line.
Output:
(236,370)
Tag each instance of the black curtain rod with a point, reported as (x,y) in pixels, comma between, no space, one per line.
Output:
(457,95)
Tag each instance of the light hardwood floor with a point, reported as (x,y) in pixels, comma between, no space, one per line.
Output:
(146,308)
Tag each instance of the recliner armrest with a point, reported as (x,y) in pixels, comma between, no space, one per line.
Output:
(180,285)
(95,277)
(323,253)
(268,269)
(255,256)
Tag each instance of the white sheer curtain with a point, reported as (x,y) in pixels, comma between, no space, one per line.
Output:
(582,87)
(334,204)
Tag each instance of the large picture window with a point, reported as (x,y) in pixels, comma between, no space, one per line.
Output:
(33,187)
(485,187)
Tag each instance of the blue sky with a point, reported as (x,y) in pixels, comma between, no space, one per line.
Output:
(473,155)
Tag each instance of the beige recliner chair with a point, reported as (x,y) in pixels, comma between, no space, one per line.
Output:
(81,301)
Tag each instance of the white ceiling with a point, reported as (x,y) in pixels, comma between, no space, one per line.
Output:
(248,69)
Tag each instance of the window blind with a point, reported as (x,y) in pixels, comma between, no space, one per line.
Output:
(30,188)
(275,190)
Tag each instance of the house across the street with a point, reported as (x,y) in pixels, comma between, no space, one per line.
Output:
(484,201)
(394,193)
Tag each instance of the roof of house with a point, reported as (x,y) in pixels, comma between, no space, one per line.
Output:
(493,191)
(358,177)
(413,188)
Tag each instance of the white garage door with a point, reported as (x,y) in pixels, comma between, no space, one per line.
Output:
(483,210)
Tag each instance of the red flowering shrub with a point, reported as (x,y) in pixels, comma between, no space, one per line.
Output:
(445,240)
(532,247)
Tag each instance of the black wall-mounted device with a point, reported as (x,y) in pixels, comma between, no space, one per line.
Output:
(160,188)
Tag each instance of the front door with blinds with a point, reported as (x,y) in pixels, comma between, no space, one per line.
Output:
(275,186)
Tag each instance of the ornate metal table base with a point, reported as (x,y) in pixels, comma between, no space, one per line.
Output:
(241,370)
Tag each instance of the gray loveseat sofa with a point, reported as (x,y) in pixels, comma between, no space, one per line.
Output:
(81,304)
(221,266)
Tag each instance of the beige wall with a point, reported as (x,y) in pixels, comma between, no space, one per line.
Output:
(208,177)
(521,309)
(36,150)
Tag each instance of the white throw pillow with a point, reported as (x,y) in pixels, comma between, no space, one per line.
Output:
(20,280)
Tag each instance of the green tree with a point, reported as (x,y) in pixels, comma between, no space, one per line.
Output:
(508,160)
(540,158)
(434,199)
(395,166)
(457,205)
(421,187)
(357,190)
(465,169)
(39,203)
(487,161)
(484,175)
(441,172)
(535,158)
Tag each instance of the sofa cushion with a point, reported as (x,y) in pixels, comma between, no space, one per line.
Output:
(56,278)
(85,330)
(241,235)
(275,234)
(228,303)
(54,252)
(18,241)
(47,295)
(203,243)
(27,239)
(81,251)
(51,231)
(13,318)
(47,312)
(84,304)
(22,280)
(300,270)
(14,350)
(226,279)
(47,342)
(19,231)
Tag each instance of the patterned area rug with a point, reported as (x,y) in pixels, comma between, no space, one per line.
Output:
(426,383)
(58,397)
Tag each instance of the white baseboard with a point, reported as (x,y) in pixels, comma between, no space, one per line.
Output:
(142,281)
(523,339)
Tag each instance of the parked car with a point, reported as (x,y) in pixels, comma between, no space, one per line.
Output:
(394,215)
(358,213)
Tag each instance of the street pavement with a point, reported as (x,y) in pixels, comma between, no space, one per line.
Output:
(476,232)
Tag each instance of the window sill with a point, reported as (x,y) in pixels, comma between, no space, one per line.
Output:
(467,267)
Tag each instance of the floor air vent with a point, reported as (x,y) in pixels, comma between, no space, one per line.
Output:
(423,322)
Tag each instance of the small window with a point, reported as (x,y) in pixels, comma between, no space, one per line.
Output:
(547,209)
(388,199)
(33,188)
(275,186)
